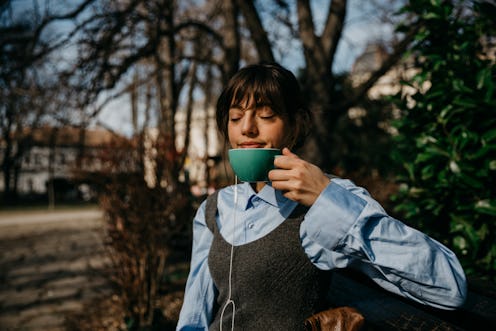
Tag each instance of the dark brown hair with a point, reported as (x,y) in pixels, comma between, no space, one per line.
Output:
(272,85)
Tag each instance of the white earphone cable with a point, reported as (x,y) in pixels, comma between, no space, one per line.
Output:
(230,301)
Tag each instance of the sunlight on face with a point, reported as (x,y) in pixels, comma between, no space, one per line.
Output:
(251,126)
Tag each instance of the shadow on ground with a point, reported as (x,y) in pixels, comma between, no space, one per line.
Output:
(49,270)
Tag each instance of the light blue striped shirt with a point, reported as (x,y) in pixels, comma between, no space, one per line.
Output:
(344,226)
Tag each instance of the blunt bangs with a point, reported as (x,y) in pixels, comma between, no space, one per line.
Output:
(262,89)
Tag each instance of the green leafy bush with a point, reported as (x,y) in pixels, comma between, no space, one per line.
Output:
(446,145)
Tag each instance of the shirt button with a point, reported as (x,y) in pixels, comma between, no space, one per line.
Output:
(250,226)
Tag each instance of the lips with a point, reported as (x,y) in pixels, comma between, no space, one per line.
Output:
(251,144)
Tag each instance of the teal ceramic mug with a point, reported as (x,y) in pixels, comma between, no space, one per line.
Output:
(253,164)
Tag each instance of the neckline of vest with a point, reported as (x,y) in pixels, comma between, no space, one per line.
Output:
(286,222)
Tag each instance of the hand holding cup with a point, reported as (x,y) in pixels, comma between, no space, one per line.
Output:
(301,181)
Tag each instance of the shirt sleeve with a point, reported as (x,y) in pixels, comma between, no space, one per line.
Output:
(347,228)
(200,292)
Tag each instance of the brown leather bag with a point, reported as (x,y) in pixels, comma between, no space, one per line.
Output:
(335,319)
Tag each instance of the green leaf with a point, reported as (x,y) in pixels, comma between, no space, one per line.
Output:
(430,16)
(446,111)
(436,3)
(488,97)
(424,140)
(428,171)
(416,191)
(467,103)
(489,135)
(486,206)
(461,244)
(480,153)
(466,229)
(454,167)
(483,78)
(423,157)
(437,151)
(472,182)
(483,232)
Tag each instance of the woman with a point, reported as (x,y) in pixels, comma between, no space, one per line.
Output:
(262,252)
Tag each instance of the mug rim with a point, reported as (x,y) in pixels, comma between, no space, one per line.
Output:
(255,148)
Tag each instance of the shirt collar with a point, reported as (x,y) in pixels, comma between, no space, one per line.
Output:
(268,194)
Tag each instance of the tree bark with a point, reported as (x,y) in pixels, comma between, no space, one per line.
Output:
(231,40)
(165,61)
(319,55)
(257,31)
(189,113)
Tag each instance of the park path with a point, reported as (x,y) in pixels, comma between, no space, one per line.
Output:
(51,263)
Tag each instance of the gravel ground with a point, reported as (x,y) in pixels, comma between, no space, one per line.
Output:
(51,263)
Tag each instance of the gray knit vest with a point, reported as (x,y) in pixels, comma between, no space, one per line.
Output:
(274,284)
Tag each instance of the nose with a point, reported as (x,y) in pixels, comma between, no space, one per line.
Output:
(249,125)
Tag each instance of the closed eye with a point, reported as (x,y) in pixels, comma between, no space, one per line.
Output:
(235,114)
(265,113)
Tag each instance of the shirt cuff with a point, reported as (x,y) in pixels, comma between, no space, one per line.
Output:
(331,216)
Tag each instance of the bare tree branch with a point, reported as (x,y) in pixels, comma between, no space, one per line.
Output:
(391,60)
(308,36)
(333,28)
(257,31)
(202,27)
(231,39)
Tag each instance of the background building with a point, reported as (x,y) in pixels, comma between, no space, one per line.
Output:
(53,155)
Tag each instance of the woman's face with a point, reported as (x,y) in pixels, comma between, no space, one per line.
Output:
(260,127)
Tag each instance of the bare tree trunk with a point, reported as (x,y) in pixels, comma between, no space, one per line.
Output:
(51,165)
(231,40)
(165,59)
(258,34)
(7,162)
(189,112)
(319,54)
(81,146)
(206,134)
(133,93)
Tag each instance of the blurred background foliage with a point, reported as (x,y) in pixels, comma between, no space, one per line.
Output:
(447,133)
(412,118)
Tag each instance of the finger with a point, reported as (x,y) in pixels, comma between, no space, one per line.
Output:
(282,185)
(279,174)
(280,163)
(287,152)
(286,160)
